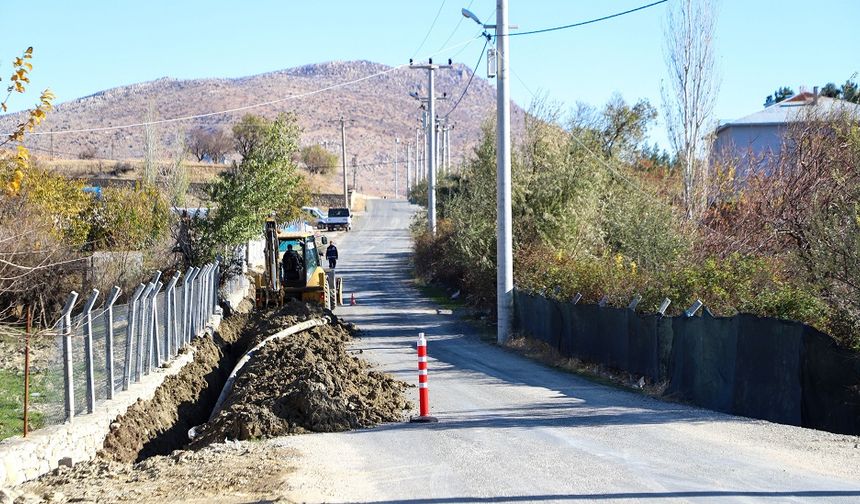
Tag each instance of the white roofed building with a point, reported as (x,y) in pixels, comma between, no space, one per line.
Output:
(753,141)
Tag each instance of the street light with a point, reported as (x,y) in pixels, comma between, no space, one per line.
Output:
(504,214)
(471,15)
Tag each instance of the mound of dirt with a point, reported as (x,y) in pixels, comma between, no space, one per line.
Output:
(304,382)
(223,473)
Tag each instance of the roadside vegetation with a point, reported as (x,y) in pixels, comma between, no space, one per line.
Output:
(599,212)
(53,227)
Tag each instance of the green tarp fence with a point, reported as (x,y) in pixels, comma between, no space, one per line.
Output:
(758,367)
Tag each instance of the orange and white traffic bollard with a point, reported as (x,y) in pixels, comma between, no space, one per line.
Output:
(423,392)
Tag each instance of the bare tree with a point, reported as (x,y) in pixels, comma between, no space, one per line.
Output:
(210,143)
(176,176)
(689,96)
(221,143)
(150,148)
(197,143)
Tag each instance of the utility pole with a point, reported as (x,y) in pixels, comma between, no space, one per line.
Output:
(504,241)
(52,145)
(431,141)
(417,142)
(448,148)
(408,161)
(438,152)
(343,159)
(354,169)
(424,144)
(504,237)
(396,141)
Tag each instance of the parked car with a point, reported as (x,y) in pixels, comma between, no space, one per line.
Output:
(339,218)
(316,217)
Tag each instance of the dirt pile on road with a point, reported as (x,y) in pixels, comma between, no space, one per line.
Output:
(304,382)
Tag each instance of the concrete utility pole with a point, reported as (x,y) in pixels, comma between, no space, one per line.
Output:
(408,160)
(504,238)
(504,234)
(396,141)
(431,141)
(448,148)
(343,158)
(438,151)
(354,169)
(417,142)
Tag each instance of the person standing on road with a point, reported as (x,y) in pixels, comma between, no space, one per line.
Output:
(331,255)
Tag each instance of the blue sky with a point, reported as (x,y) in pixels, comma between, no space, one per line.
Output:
(85,46)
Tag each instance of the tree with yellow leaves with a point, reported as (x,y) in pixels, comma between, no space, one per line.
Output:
(16,164)
(40,212)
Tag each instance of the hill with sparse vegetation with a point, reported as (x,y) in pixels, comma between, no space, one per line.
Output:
(377,109)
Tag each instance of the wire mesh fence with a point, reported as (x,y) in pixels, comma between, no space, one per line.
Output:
(101,348)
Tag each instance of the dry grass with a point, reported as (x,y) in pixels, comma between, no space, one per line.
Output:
(125,169)
(540,351)
(359,202)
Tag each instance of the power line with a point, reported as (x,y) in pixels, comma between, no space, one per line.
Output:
(590,21)
(470,79)
(242,108)
(453,32)
(430,30)
(220,112)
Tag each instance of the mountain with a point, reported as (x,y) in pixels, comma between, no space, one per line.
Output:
(377,109)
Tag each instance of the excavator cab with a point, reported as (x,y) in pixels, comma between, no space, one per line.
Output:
(293,268)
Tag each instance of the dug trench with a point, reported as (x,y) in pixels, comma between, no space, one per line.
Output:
(306,382)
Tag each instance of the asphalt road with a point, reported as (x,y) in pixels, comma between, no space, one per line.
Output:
(512,430)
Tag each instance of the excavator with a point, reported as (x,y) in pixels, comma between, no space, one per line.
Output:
(308,282)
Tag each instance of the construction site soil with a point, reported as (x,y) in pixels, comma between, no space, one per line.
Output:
(305,382)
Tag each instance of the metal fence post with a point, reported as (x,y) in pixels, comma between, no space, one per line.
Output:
(198,298)
(177,337)
(207,301)
(143,330)
(111,299)
(204,298)
(68,365)
(88,350)
(186,290)
(205,304)
(152,344)
(170,314)
(217,285)
(130,331)
(191,304)
(201,291)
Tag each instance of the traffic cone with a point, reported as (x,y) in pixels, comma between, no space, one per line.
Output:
(352,299)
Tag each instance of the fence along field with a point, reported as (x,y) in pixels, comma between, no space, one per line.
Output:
(101,347)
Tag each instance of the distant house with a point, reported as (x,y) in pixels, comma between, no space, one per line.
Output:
(752,142)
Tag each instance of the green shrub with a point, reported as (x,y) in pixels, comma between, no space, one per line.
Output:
(129,218)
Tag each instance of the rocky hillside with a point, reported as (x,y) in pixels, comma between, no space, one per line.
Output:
(377,109)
